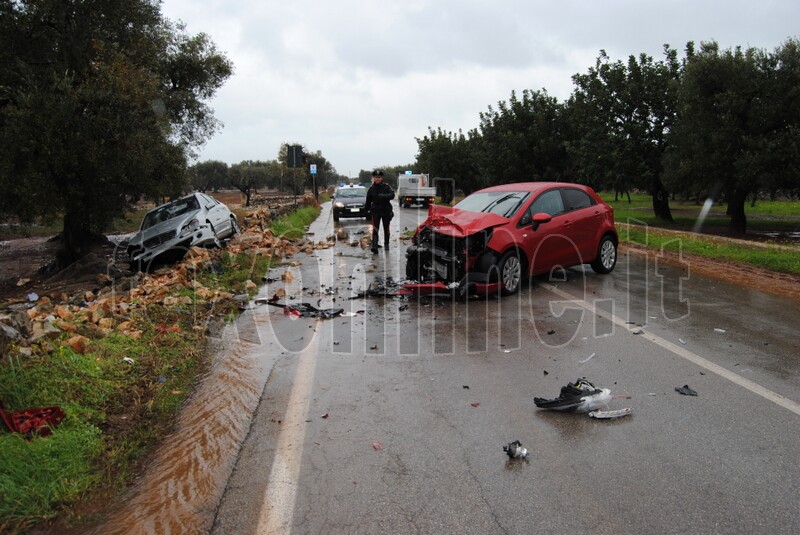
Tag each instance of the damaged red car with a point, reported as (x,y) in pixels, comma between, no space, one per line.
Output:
(496,237)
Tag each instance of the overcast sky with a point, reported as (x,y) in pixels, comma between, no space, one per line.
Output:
(359,81)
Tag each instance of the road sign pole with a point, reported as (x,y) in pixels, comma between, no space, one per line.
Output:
(313,169)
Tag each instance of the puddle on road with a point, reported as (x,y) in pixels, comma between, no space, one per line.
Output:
(182,486)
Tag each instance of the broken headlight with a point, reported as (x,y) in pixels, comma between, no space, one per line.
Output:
(191,226)
(476,243)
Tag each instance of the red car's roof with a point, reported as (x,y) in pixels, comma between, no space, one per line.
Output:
(531,186)
(453,221)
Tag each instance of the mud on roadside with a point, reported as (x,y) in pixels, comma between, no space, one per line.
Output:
(772,282)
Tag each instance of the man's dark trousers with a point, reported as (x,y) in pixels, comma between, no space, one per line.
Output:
(377,219)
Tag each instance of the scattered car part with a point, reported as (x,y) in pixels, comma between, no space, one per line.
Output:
(685,390)
(611,414)
(30,422)
(307,310)
(580,396)
(514,450)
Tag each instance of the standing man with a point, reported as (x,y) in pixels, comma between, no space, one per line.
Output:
(379,205)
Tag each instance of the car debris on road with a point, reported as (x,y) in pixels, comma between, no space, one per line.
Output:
(514,450)
(306,310)
(583,397)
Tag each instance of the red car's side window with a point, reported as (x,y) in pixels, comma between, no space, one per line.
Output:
(576,199)
(549,202)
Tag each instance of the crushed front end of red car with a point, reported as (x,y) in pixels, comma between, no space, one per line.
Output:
(449,253)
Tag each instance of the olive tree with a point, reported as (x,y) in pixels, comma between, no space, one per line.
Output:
(100,102)
(738,124)
(621,113)
(209,175)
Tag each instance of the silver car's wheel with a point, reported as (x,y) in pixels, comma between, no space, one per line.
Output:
(510,269)
(606,255)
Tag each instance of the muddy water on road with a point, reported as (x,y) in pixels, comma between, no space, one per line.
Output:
(186,477)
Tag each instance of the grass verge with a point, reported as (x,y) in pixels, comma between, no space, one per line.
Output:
(293,226)
(764,216)
(638,226)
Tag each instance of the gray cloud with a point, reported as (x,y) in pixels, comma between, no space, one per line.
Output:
(360,80)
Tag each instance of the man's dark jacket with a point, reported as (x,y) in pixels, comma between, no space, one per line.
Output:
(378,199)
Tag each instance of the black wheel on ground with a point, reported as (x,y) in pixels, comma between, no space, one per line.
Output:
(510,270)
(606,255)
(335,217)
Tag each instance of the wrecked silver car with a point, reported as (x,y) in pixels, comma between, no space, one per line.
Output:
(169,230)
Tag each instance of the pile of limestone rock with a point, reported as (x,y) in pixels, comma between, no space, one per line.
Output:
(39,323)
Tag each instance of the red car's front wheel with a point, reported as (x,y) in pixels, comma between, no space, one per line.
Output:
(510,271)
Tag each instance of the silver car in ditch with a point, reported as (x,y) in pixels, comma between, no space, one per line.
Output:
(169,230)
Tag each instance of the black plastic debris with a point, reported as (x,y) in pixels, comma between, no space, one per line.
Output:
(514,450)
(685,390)
(307,310)
(387,287)
(217,268)
(580,396)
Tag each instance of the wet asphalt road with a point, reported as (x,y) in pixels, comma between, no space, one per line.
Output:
(393,419)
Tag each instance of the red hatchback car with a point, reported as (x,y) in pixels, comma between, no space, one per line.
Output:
(493,238)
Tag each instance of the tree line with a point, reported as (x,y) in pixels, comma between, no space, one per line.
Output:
(719,124)
(103,103)
(249,176)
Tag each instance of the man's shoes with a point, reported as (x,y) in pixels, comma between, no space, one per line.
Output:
(386,244)
(374,250)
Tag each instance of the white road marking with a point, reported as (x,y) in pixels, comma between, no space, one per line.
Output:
(278,504)
(683,352)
